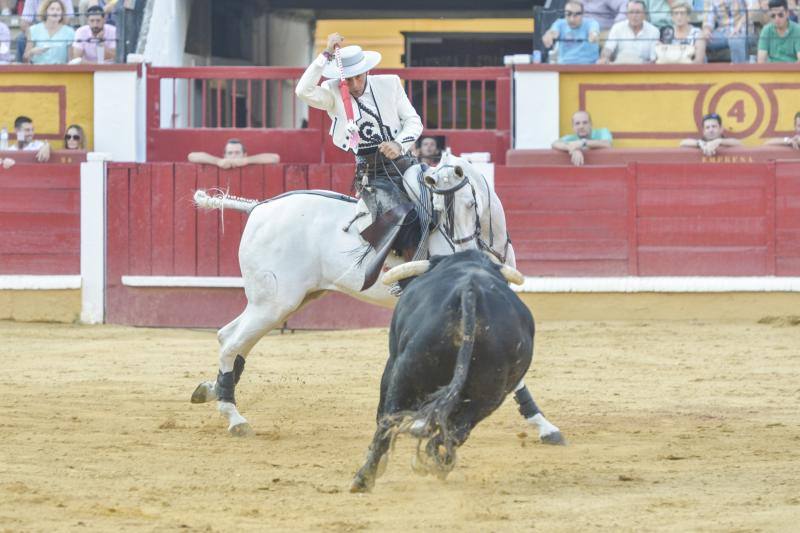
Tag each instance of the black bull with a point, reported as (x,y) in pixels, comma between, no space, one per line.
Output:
(460,341)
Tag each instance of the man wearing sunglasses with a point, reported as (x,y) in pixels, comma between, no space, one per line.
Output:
(712,137)
(779,41)
(576,36)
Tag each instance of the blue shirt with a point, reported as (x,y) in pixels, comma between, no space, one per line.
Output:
(574,47)
(57,44)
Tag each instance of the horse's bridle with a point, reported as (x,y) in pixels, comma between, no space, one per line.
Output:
(449,229)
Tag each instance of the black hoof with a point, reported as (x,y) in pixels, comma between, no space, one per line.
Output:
(555,438)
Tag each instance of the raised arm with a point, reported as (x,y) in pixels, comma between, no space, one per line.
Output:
(308,89)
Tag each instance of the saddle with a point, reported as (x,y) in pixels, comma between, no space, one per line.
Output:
(381,232)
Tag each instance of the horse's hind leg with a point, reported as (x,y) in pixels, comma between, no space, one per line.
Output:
(206,391)
(236,340)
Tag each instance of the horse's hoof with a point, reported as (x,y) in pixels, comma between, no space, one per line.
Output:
(204,393)
(242,430)
(360,485)
(555,438)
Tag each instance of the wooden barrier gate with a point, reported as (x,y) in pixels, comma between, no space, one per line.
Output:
(626,220)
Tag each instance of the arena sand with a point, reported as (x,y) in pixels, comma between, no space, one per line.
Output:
(671,426)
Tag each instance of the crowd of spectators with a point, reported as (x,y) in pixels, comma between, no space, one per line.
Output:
(661,31)
(57,32)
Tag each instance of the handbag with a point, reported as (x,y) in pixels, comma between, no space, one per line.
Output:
(674,53)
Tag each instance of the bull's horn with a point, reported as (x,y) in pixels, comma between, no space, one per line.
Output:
(512,275)
(406,270)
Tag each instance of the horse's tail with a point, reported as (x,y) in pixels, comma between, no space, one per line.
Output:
(222,200)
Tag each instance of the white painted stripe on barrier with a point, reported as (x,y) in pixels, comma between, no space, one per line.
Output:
(39,283)
(662,284)
(544,284)
(211,282)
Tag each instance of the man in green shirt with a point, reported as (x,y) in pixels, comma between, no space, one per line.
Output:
(584,138)
(780,39)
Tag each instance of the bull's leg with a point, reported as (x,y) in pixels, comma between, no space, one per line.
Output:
(548,433)
(365,477)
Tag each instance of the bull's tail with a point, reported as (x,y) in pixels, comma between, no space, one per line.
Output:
(222,200)
(433,418)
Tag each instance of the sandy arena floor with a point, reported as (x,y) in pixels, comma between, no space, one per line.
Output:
(671,426)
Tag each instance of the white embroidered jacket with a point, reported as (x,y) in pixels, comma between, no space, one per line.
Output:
(395,109)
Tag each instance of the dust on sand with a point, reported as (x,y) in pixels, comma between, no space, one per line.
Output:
(671,426)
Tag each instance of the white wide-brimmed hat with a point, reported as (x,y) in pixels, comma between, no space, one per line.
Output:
(355,61)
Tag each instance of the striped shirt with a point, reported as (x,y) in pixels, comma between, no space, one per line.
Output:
(728,15)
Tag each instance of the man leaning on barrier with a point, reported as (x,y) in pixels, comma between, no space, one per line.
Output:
(712,137)
(791,141)
(585,137)
(234,156)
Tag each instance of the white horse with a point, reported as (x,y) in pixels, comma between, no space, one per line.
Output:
(299,245)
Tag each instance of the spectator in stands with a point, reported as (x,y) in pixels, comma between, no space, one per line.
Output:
(793,141)
(94,36)
(660,12)
(75,138)
(235,156)
(109,8)
(5,8)
(7,162)
(632,40)
(30,11)
(605,12)
(576,36)
(712,137)
(5,44)
(49,41)
(585,137)
(25,142)
(726,26)
(780,39)
(429,151)
(686,34)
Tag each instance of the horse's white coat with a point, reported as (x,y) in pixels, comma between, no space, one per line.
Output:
(295,248)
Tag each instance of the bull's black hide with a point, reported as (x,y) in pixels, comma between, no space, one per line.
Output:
(460,341)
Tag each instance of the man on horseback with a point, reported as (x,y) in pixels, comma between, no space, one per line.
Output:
(375,120)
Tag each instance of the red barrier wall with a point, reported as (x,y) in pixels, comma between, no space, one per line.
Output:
(624,220)
(40,219)
(154,229)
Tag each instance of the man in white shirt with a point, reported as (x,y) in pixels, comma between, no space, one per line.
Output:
(373,118)
(25,142)
(632,40)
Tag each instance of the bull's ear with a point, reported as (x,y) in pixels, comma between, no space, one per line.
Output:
(430,181)
(459,171)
